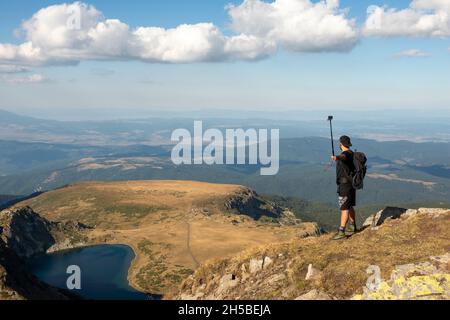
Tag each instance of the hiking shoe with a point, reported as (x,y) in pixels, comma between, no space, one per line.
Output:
(340,236)
(351,229)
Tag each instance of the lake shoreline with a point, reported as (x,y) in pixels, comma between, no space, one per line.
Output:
(98,245)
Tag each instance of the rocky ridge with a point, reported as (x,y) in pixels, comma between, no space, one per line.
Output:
(24,234)
(247,202)
(402,254)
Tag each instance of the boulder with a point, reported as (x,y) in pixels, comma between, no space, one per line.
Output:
(256,265)
(227,282)
(379,218)
(259,264)
(313,273)
(267,262)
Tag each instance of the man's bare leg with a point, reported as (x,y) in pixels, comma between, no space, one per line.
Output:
(352,215)
(344,219)
(345,214)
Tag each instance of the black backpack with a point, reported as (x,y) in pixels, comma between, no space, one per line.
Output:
(359,161)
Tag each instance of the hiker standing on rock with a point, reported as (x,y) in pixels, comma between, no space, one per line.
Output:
(345,169)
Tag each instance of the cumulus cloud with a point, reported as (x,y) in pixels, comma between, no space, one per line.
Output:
(52,37)
(297,25)
(69,33)
(412,53)
(423,18)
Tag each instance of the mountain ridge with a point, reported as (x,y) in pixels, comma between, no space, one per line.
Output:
(172,226)
(410,250)
(23,234)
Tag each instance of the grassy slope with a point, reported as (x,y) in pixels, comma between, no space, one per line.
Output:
(343,264)
(173,226)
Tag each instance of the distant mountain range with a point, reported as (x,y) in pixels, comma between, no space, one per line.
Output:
(397,170)
(401,173)
(157,130)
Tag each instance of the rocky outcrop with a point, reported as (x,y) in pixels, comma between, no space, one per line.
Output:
(16,283)
(381,216)
(429,280)
(316,268)
(23,234)
(248,202)
(28,234)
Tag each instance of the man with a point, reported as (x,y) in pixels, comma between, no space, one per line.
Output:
(347,193)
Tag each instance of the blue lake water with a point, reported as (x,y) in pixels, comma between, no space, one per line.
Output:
(104,270)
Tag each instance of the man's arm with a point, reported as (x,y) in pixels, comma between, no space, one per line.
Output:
(340,157)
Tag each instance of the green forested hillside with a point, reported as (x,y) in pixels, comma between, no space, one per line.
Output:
(399,172)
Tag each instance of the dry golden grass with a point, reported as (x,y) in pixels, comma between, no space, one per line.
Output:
(173,226)
(343,264)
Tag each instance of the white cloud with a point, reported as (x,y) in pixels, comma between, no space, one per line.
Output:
(423,18)
(412,53)
(34,78)
(51,39)
(297,25)
(69,33)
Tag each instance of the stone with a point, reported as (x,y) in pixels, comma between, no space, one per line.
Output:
(255,265)
(312,273)
(227,282)
(387,213)
(267,262)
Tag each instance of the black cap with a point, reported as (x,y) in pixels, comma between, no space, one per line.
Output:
(345,141)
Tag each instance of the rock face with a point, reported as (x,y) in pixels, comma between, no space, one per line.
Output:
(23,234)
(28,234)
(16,283)
(249,203)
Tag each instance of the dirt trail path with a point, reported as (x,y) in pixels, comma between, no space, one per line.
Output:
(188,245)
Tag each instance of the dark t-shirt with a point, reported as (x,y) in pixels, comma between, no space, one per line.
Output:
(344,168)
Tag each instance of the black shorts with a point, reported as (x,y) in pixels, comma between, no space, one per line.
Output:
(347,196)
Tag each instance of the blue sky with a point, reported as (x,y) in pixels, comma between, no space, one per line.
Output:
(369,76)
